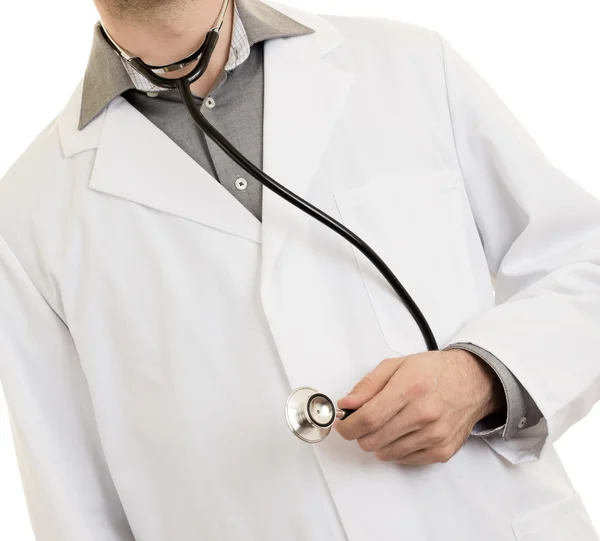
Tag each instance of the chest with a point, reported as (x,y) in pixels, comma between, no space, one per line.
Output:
(171,253)
(235,107)
(152,274)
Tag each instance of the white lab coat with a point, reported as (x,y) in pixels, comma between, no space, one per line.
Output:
(152,327)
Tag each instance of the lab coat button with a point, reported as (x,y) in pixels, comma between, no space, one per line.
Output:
(522,422)
(241,183)
(210,103)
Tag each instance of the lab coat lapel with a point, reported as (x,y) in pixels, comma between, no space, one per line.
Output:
(138,162)
(304,98)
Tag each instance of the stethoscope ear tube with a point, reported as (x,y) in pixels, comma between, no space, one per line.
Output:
(310,415)
(209,47)
(311,210)
(299,422)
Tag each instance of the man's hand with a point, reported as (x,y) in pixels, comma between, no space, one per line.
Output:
(420,409)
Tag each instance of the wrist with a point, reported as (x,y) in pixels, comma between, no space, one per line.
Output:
(495,399)
(489,392)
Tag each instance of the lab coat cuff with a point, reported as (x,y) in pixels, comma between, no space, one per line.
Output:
(521,411)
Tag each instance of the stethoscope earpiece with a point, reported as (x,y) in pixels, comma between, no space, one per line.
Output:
(311,414)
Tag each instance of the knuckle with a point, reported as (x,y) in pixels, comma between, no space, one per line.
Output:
(437,455)
(366,382)
(438,433)
(386,362)
(417,388)
(443,453)
(384,456)
(366,444)
(344,434)
(431,413)
(371,421)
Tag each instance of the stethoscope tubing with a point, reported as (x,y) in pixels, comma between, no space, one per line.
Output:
(300,203)
(183,84)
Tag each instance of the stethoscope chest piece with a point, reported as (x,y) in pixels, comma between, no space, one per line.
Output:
(310,414)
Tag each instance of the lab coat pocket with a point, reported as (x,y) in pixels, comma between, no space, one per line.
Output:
(564,520)
(416,222)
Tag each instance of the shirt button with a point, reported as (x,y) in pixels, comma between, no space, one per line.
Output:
(210,103)
(522,422)
(152,94)
(241,183)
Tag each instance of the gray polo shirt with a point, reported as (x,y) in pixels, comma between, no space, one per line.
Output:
(235,107)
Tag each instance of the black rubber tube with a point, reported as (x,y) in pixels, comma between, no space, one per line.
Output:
(183,84)
(311,210)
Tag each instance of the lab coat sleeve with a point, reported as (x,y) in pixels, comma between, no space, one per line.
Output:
(519,411)
(541,236)
(69,491)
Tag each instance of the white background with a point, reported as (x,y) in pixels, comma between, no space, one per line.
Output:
(540,55)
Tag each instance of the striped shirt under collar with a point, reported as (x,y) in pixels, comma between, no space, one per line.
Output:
(238,54)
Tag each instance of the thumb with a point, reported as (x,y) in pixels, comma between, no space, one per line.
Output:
(370,385)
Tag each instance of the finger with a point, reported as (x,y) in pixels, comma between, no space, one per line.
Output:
(433,455)
(366,420)
(375,414)
(417,440)
(370,385)
(409,419)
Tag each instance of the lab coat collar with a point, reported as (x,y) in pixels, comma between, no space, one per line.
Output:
(304,96)
(106,76)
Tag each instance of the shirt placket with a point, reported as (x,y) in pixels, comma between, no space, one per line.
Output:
(245,188)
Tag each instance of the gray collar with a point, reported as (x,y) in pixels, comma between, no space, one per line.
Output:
(106,78)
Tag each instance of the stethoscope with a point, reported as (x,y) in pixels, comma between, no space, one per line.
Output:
(310,414)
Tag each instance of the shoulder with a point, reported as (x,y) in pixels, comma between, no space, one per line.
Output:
(386,45)
(33,178)
(369,32)
(38,180)
(39,196)
(372,45)
(383,33)
(49,169)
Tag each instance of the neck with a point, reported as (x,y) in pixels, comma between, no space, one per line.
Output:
(171,39)
(219,59)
